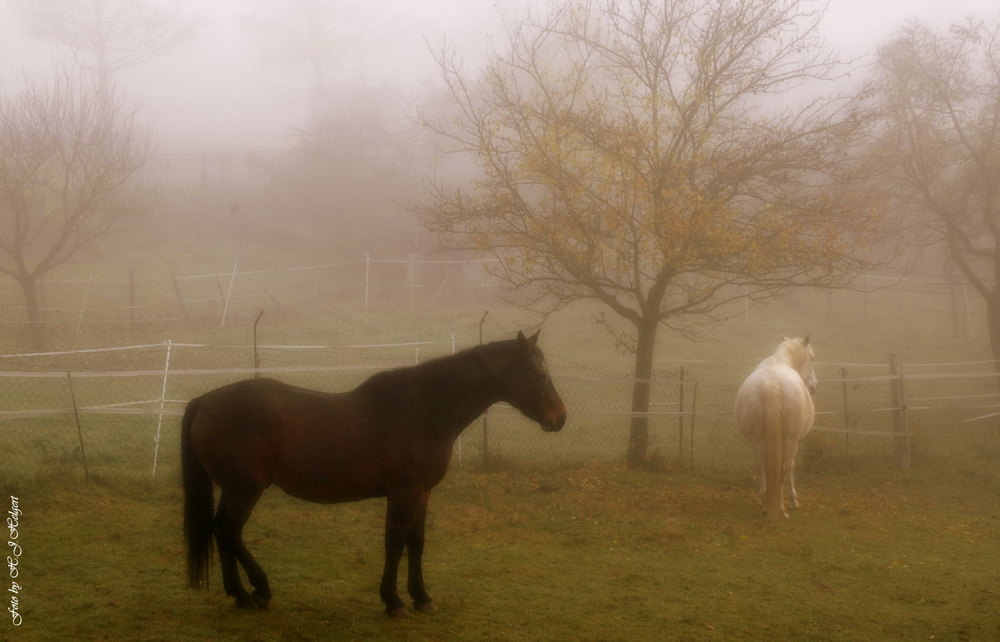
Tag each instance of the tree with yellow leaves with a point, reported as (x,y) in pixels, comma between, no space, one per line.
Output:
(652,155)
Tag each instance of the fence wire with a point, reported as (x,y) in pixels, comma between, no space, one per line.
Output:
(114,414)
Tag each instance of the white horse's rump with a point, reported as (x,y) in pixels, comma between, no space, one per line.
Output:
(774,409)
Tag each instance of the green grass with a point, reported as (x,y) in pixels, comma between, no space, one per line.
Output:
(584,552)
(548,546)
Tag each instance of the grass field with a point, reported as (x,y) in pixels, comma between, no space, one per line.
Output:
(548,545)
(582,553)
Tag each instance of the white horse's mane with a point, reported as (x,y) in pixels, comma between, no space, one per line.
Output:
(793,351)
(790,352)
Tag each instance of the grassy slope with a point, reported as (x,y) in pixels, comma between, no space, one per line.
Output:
(585,552)
(582,553)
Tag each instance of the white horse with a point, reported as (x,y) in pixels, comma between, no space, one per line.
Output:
(774,409)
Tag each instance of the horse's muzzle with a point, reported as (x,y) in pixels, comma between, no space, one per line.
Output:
(554,422)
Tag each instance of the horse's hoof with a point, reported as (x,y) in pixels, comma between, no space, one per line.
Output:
(426,607)
(397,612)
(253,602)
(245,602)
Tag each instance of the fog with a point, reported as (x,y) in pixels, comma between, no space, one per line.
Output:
(224,89)
(856,27)
(218,91)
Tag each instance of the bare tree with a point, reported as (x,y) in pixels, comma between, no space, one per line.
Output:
(69,155)
(936,99)
(631,152)
(106,36)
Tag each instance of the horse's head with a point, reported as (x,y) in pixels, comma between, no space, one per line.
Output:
(527,386)
(800,356)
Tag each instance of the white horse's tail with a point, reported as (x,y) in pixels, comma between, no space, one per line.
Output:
(774,487)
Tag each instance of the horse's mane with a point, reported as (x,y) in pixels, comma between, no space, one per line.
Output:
(791,352)
(468,362)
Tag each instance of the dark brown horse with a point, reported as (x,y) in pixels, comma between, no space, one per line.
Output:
(390,437)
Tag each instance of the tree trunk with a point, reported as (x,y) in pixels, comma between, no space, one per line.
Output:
(993,327)
(993,322)
(37,332)
(638,442)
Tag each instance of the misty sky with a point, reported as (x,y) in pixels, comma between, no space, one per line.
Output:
(215,93)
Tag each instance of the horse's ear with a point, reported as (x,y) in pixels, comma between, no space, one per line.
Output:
(805,342)
(526,343)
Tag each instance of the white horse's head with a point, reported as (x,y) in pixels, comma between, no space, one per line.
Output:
(799,355)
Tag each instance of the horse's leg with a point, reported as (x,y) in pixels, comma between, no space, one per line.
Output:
(222,528)
(233,513)
(415,551)
(401,506)
(791,449)
(762,472)
(761,469)
(793,496)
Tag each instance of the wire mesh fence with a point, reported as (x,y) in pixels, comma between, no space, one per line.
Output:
(233,293)
(114,414)
(178,301)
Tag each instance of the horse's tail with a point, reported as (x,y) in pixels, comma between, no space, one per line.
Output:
(198,505)
(773,455)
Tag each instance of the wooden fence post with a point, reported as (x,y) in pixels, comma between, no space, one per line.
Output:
(959,310)
(229,295)
(902,438)
(163,404)
(680,422)
(486,413)
(83,306)
(180,298)
(368,266)
(847,420)
(694,415)
(131,299)
(256,351)
(79,428)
